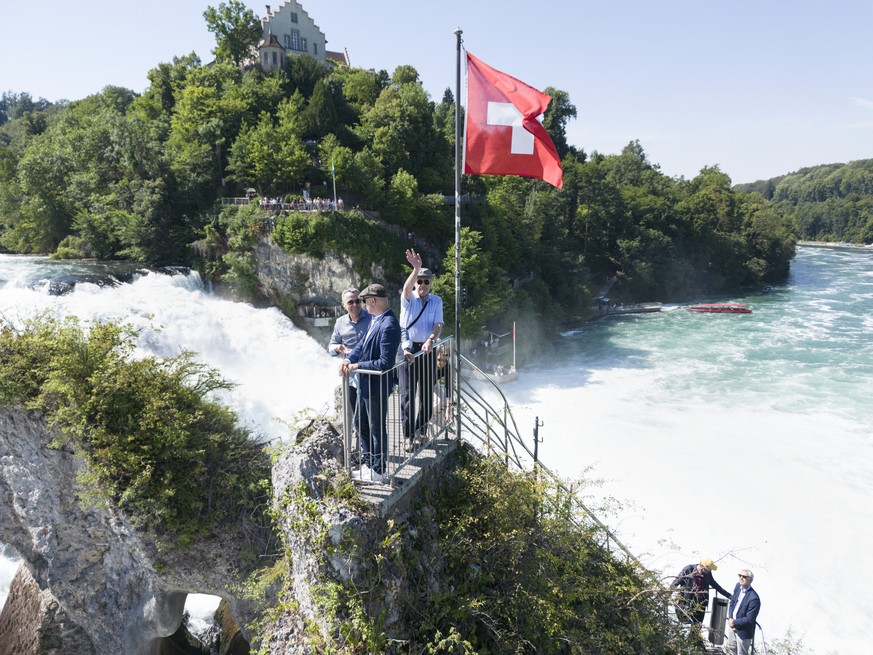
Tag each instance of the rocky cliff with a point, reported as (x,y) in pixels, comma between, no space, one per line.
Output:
(94,584)
(286,276)
(122,587)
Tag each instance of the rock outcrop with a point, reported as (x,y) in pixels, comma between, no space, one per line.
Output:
(121,586)
(33,622)
(285,275)
(115,589)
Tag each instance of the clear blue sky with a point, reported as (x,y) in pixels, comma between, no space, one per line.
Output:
(758,87)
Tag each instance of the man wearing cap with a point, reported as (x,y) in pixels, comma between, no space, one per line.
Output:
(742,615)
(695,581)
(421,321)
(376,352)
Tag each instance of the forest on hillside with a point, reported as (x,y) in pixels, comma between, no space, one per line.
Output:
(140,176)
(832,202)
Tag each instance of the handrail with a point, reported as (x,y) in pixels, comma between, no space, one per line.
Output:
(512,439)
(496,429)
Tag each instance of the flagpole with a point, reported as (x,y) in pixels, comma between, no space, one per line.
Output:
(333,173)
(458,34)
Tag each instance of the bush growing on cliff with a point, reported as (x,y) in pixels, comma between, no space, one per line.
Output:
(520,577)
(366,239)
(155,445)
(490,561)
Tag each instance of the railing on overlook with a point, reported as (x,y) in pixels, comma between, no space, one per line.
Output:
(487,424)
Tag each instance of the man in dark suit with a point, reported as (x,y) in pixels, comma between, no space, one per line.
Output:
(742,614)
(376,352)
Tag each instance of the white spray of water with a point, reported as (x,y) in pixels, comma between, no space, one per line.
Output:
(745,439)
(277,368)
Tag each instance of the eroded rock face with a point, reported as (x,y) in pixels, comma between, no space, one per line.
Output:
(108,578)
(287,275)
(33,622)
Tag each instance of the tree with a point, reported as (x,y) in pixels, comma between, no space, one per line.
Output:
(486,286)
(237,30)
(270,156)
(555,119)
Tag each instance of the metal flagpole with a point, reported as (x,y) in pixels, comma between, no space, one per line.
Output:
(333,173)
(458,33)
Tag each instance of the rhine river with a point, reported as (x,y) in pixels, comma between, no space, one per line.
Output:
(744,438)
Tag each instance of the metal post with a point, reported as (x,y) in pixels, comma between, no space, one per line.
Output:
(347,426)
(536,439)
(333,173)
(458,33)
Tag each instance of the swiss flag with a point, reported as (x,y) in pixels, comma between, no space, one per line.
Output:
(503,135)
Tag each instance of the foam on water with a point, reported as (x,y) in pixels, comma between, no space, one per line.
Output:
(743,438)
(278,369)
(746,438)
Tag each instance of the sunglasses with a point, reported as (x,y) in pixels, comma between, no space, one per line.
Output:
(422,281)
(353,302)
(744,577)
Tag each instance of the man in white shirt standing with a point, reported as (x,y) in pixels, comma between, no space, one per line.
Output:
(742,615)
(421,322)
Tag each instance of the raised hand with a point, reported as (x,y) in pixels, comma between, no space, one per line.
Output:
(413,258)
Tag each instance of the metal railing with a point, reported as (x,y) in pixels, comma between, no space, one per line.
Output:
(486,424)
(495,430)
(390,417)
(407,408)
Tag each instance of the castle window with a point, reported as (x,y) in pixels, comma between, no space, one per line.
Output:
(286,40)
(293,16)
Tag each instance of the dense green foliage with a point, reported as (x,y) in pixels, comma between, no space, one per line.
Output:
(121,175)
(369,239)
(492,562)
(155,446)
(522,579)
(825,203)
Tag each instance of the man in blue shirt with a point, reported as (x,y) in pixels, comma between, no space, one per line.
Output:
(421,322)
(348,331)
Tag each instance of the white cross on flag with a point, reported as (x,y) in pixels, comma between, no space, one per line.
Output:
(503,135)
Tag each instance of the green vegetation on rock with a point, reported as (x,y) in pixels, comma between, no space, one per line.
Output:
(155,446)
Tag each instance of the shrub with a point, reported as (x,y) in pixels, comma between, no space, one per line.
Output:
(155,445)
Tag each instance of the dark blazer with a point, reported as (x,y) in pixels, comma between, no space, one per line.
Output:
(747,612)
(377,352)
(685,579)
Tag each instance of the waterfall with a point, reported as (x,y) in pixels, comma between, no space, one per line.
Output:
(278,369)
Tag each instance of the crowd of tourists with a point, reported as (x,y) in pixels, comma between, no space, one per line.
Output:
(300,204)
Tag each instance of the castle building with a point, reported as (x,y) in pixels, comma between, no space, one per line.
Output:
(291,30)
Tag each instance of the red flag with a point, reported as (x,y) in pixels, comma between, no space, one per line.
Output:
(503,135)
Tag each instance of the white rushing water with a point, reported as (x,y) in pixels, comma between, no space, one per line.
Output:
(278,369)
(744,438)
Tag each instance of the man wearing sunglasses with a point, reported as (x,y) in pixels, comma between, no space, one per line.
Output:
(349,330)
(742,615)
(421,322)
